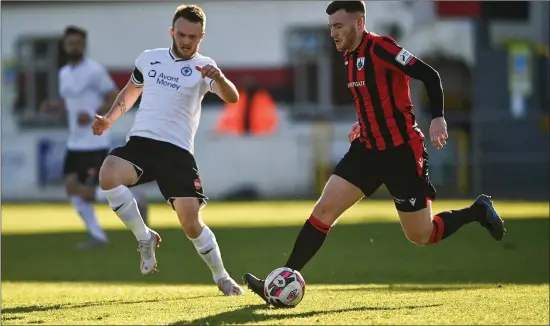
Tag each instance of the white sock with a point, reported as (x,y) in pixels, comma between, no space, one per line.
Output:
(208,249)
(99,195)
(124,205)
(87,213)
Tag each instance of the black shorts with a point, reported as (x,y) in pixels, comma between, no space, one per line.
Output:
(172,167)
(403,169)
(85,164)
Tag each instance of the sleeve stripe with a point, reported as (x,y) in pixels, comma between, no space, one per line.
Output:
(135,81)
(384,55)
(389,47)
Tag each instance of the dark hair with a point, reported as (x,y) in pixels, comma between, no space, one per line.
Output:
(348,6)
(75,30)
(192,13)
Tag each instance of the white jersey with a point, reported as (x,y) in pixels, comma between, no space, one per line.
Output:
(83,88)
(173,89)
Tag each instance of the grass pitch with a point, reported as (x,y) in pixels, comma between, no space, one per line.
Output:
(366,273)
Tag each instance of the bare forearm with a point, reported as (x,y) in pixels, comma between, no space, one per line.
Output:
(227,90)
(123,102)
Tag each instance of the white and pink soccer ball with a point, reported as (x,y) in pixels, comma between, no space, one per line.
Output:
(284,287)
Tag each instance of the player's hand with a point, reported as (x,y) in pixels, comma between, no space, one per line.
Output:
(84,119)
(354,132)
(438,132)
(101,124)
(210,71)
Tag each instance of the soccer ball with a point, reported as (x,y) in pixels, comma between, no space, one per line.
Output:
(284,287)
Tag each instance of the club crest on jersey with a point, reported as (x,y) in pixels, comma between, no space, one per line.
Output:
(197,184)
(186,71)
(360,63)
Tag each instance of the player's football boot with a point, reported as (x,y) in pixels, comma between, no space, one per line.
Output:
(491,220)
(229,287)
(255,285)
(147,249)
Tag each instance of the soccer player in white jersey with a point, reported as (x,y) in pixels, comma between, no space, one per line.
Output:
(86,89)
(172,82)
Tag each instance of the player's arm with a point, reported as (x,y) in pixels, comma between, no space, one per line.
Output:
(127,97)
(225,89)
(219,84)
(397,58)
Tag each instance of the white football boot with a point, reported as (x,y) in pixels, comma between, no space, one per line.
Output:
(147,249)
(229,287)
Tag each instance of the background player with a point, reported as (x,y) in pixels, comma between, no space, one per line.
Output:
(85,88)
(389,149)
(161,142)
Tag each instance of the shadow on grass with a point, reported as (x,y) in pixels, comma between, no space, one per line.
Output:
(376,253)
(34,308)
(252,314)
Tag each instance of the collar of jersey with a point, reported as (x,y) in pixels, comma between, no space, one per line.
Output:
(175,58)
(365,34)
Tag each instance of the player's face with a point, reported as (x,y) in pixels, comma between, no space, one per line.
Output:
(344,28)
(186,37)
(74,45)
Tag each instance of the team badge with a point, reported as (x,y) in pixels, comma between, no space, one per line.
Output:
(360,63)
(197,184)
(186,71)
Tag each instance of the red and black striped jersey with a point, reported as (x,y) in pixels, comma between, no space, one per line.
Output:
(378,78)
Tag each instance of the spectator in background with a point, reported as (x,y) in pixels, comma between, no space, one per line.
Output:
(85,89)
(255,113)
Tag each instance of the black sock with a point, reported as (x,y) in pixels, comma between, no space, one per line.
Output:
(309,241)
(448,222)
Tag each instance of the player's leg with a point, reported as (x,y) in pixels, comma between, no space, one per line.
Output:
(337,197)
(95,194)
(143,203)
(354,177)
(127,166)
(413,193)
(179,183)
(75,172)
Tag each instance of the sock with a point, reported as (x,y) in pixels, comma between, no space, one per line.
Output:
(143,208)
(448,222)
(208,249)
(99,195)
(309,241)
(122,202)
(87,213)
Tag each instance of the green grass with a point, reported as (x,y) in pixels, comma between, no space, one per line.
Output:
(367,272)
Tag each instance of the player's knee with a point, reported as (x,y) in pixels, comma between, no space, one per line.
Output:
(325,213)
(108,177)
(187,210)
(115,172)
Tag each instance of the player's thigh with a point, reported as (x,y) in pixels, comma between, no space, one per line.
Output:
(92,163)
(72,164)
(406,177)
(352,179)
(127,165)
(360,167)
(178,176)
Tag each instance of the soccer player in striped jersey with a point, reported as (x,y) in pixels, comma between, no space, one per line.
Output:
(387,146)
